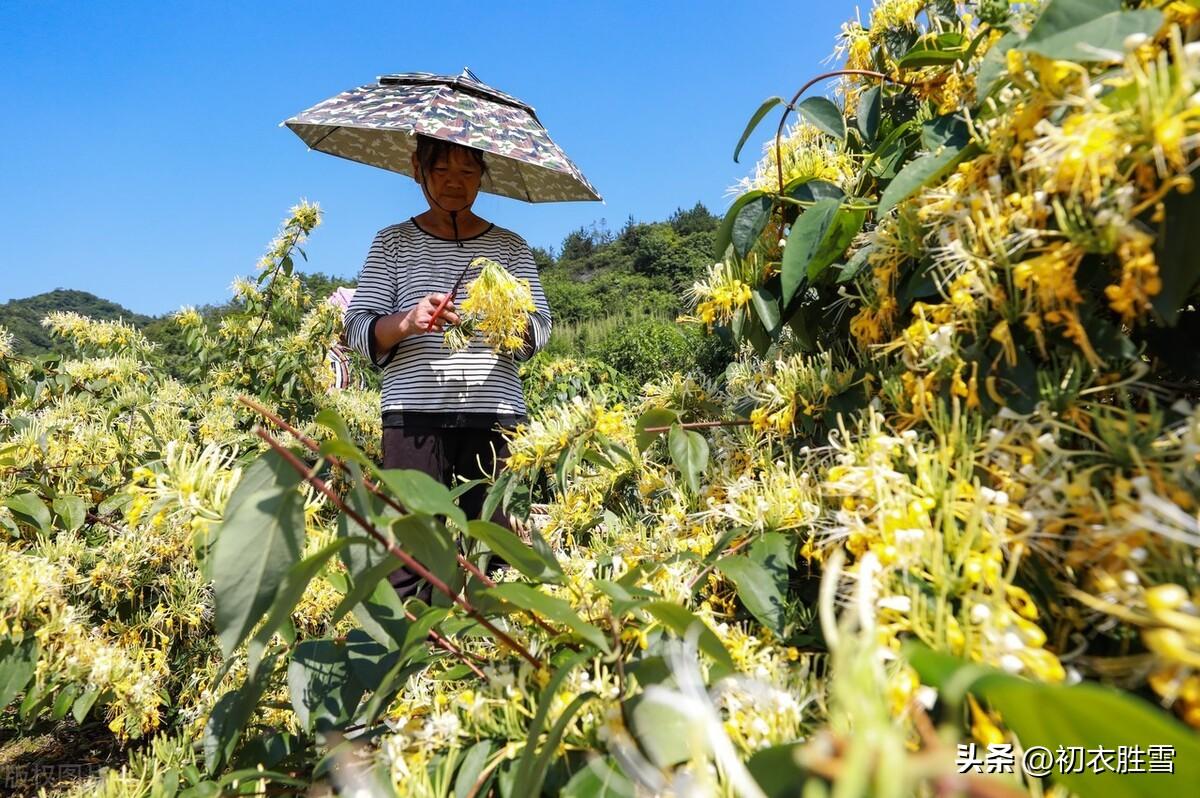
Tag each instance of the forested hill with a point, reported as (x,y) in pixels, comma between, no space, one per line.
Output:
(23,317)
(596,274)
(643,268)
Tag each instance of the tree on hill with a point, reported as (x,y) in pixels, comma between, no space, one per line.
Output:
(23,317)
(644,268)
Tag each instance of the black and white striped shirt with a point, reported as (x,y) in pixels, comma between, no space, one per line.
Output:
(423,381)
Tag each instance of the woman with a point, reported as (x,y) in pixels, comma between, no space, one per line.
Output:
(442,411)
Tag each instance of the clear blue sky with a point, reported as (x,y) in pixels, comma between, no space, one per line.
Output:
(141,157)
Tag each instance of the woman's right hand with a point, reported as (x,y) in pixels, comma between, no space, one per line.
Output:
(418,318)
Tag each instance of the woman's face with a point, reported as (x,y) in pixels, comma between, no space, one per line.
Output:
(453,181)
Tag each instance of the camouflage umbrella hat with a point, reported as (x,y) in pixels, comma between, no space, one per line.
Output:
(378,125)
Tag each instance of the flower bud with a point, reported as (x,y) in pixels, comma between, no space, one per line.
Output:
(1135,40)
(1165,597)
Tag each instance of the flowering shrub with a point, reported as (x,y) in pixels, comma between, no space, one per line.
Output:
(497,307)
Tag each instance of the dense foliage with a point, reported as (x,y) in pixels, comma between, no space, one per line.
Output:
(945,495)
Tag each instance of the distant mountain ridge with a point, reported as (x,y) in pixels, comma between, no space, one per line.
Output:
(23,317)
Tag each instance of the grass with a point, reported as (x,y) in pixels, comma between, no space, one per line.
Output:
(583,338)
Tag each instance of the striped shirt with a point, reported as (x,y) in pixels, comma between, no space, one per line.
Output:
(424,383)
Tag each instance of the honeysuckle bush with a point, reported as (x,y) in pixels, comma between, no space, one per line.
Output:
(946,494)
(112,476)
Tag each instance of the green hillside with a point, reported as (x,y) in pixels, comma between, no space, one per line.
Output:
(23,317)
(614,296)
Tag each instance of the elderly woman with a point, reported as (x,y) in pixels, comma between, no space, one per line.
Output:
(442,410)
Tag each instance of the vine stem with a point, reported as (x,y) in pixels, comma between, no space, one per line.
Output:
(791,106)
(464,657)
(409,561)
(708,569)
(295,236)
(374,488)
(737,422)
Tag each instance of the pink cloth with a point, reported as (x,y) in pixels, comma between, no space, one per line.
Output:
(341,298)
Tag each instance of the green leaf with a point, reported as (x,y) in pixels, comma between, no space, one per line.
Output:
(358,559)
(30,508)
(524,775)
(689,453)
(249,775)
(320,684)
(71,510)
(370,661)
(943,48)
(17,665)
(666,732)
(363,584)
(114,503)
(383,692)
(823,115)
(1081,31)
(756,333)
(347,452)
(463,487)
(418,632)
(471,769)
(83,704)
(332,420)
(1178,258)
(750,222)
(679,619)
(817,239)
(777,770)
(62,704)
(421,493)
(289,593)
(766,307)
(205,789)
(808,189)
(856,263)
(230,714)
(718,548)
(725,231)
(945,131)
(870,107)
(654,417)
(558,610)
(536,775)
(1059,16)
(514,551)
(762,111)
(1085,715)
(568,461)
(382,615)
(259,540)
(430,544)
(600,778)
(35,699)
(497,493)
(775,551)
(756,590)
(624,598)
(923,171)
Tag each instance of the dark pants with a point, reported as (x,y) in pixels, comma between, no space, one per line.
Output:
(444,454)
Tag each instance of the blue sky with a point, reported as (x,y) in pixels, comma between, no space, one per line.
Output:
(141,157)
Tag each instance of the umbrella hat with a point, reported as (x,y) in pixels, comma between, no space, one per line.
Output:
(378,125)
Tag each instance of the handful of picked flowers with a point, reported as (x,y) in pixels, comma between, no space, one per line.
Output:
(497,307)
